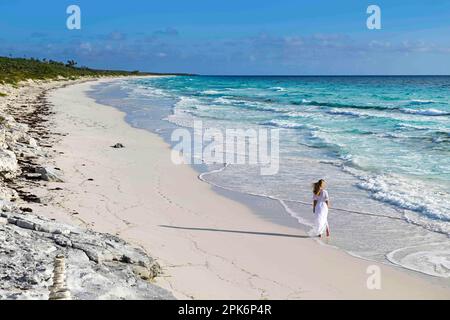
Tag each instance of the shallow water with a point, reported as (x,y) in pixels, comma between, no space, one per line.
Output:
(382,144)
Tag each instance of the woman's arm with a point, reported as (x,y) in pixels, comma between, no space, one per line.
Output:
(328,203)
(314,205)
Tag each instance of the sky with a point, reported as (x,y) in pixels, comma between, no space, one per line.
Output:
(234,37)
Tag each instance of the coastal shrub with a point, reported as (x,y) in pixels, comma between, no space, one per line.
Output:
(14,70)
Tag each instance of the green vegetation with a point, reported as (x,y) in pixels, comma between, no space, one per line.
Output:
(14,70)
(2,94)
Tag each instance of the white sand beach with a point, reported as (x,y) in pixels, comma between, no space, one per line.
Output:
(210,247)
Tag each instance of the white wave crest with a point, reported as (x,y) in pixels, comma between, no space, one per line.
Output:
(426,112)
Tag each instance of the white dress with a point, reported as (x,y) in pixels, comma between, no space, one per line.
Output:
(321,212)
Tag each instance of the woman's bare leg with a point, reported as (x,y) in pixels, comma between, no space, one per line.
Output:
(328,231)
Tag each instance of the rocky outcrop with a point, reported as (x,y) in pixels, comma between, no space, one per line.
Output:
(9,168)
(98,266)
(15,144)
(49,174)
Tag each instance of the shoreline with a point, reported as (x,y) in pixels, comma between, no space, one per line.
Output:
(198,221)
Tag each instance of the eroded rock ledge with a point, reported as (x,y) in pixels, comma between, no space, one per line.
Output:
(99,266)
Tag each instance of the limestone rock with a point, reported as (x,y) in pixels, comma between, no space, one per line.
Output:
(7,193)
(24,224)
(49,174)
(118,146)
(9,167)
(32,142)
(98,266)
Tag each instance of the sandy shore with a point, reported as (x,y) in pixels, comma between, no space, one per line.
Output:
(209,246)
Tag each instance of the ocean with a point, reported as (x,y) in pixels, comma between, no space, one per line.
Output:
(382,143)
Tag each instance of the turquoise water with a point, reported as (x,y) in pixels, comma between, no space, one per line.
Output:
(382,143)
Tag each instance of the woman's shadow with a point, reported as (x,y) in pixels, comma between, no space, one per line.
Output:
(272,234)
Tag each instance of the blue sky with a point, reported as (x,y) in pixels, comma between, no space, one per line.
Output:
(234,36)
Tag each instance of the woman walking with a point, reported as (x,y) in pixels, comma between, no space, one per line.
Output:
(321,203)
